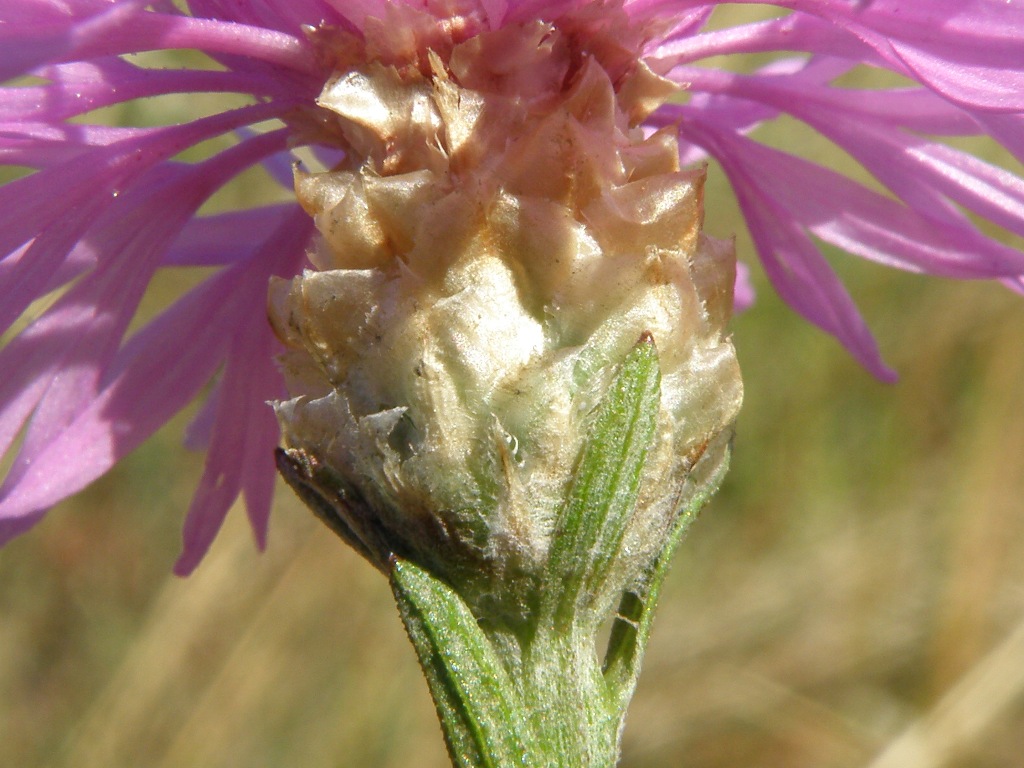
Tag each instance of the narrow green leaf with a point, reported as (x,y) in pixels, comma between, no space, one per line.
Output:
(604,491)
(481,712)
(632,626)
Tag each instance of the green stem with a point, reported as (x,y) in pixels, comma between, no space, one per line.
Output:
(483,717)
(572,709)
(557,711)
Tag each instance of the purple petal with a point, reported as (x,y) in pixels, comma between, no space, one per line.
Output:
(34,32)
(794,265)
(152,383)
(967,50)
(1015,284)
(285,16)
(931,235)
(224,238)
(151,31)
(38,145)
(1008,130)
(153,376)
(494,11)
(242,447)
(744,295)
(199,431)
(58,360)
(27,205)
(57,365)
(62,355)
(87,186)
(79,87)
(797,32)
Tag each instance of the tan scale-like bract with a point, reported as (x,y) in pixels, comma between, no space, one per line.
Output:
(497,239)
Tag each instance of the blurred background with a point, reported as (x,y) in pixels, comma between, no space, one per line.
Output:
(853,596)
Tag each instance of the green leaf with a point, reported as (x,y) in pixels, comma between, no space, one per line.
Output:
(632,626)
(480,710)
(604,491)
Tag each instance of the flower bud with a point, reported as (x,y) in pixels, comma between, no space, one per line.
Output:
(498,238)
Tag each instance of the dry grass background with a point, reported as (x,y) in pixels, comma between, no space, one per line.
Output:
(853,598)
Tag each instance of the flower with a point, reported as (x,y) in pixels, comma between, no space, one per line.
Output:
(103,209)
(497,240)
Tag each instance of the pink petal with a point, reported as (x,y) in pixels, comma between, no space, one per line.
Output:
(284,15)
(58,364)
(35,32)
(744,294)
(156,377)
(967,50)
(932,235)
(794,265)
(152,31)
(80,87)
(153,376)
(86,186)
(242,448)
(796,32)
(224,238)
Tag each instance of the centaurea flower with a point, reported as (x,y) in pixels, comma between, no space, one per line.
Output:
(103,208)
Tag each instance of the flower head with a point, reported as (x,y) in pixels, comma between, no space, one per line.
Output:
(103,209)
(498,238)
